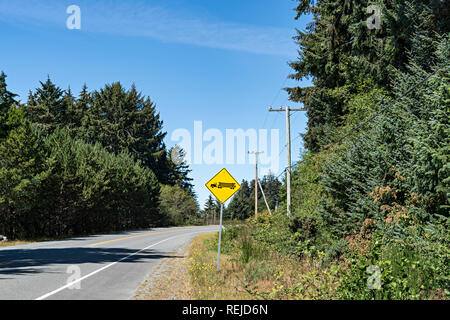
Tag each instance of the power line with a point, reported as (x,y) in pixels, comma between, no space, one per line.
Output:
(278,92)
(285,146)
(281,173)
(288,138)
(371,118)
(273,101)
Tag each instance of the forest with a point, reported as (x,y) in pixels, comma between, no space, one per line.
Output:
(81,165)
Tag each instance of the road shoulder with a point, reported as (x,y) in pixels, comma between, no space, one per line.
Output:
(169,280)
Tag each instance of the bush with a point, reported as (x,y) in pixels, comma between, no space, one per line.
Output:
(178,206)
(413,264)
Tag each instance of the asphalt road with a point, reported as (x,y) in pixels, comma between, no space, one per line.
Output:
(98,267)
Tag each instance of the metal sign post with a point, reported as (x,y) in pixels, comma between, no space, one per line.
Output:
(223,186)
(220,236)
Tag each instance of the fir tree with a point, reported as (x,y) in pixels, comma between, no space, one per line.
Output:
(6,101)
(210,208)
(47,107)
(81,110)
(179,170)
(22,172)
(241,207)
(338,52)
(125,120)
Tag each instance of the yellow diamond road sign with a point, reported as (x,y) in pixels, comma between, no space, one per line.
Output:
(223,185)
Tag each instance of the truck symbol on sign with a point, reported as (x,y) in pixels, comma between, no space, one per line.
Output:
(221,185)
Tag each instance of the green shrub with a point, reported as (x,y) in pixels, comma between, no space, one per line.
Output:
(178,206)
(413,265)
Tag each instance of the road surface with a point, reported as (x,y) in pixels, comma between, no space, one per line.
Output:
(98,267)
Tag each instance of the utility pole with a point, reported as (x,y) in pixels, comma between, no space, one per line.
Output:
(256,179)
(264,196)
(288,138)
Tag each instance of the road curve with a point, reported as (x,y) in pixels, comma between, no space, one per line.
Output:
(101,267)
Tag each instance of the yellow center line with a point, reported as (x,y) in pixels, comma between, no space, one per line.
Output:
(5,263)
(131,237)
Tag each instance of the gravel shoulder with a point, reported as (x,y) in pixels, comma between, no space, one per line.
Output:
(169,280)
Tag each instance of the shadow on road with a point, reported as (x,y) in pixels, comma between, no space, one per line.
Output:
(32,261)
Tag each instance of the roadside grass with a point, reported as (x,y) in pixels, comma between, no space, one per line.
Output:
(206,282)
(13,243)
(250,271)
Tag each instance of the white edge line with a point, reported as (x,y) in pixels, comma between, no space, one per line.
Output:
(45,296)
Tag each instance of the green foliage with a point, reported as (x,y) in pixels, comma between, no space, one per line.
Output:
(274,232)
(178,170)
(120,120)
(6,102)
(211,210)
(47,107)
(97,190)
(23,172)
(412,266)
(125,120)
(271,186)
(178,206)
(73,166)
(338,52)
(400,162)
(240,207)
(58,186)
(381,196)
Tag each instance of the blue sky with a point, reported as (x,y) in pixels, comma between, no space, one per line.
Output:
(220,62)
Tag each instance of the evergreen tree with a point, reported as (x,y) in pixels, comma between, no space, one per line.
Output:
(178,170)
(339,52)
(70,117)
(125,120)
(271,186)
(210,208)
(400,158)
(7,99)
(178,205)
(81,110)
(47,107)
(240,207)
(22,172)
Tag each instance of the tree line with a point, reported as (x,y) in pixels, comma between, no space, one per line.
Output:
(78,165)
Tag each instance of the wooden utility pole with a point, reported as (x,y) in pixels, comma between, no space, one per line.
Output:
(288,138)
(256,179)
(264,196)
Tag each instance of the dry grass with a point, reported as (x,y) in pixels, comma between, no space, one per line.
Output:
(206,282)
(192,274)
(265,276)
(13,243)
